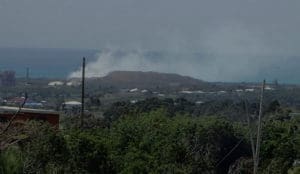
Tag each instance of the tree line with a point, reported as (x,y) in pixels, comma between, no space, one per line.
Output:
(156,136)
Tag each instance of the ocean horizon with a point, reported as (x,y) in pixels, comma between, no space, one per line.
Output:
(44,62)
(60,63)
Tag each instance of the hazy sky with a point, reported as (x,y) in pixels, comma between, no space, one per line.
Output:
(260,26)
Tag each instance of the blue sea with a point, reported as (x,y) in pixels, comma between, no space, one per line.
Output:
(44,62)
(60,63)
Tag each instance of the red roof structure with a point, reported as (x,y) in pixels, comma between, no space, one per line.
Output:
(26,114)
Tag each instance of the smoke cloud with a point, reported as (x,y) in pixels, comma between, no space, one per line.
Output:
(227,53)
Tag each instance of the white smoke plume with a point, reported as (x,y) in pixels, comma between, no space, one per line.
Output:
(109,61)
(227,53)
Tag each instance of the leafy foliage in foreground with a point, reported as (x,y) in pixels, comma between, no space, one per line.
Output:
(154,142)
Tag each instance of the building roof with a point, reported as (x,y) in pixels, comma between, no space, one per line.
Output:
(72,103)
(56,83)
(8,109)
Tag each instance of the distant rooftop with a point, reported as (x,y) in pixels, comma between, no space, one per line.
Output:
(8,109)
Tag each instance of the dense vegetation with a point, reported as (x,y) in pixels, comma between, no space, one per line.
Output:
(155,136)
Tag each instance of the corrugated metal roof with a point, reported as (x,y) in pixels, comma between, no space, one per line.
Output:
(8,109)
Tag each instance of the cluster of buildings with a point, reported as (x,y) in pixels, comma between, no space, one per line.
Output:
(8,78)
(17,101)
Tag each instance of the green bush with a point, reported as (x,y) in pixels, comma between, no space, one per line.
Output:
(88,152)
(11,161)
(156,143)
(45,150)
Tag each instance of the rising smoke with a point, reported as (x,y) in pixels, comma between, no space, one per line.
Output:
(228,53)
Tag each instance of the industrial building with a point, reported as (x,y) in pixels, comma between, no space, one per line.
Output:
(8,78)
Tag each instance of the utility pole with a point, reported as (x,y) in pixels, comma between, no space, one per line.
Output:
(250,129)
(27,75)
(82,92)
(259,129)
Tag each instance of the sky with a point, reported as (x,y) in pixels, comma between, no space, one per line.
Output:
(238,38)
(155,24)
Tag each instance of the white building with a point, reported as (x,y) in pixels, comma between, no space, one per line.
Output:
(69,105)
(56,83)
(134,90)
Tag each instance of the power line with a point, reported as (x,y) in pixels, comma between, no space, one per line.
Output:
(230,152)
(82,92)
(255,150)
(15,115)
(259,129)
